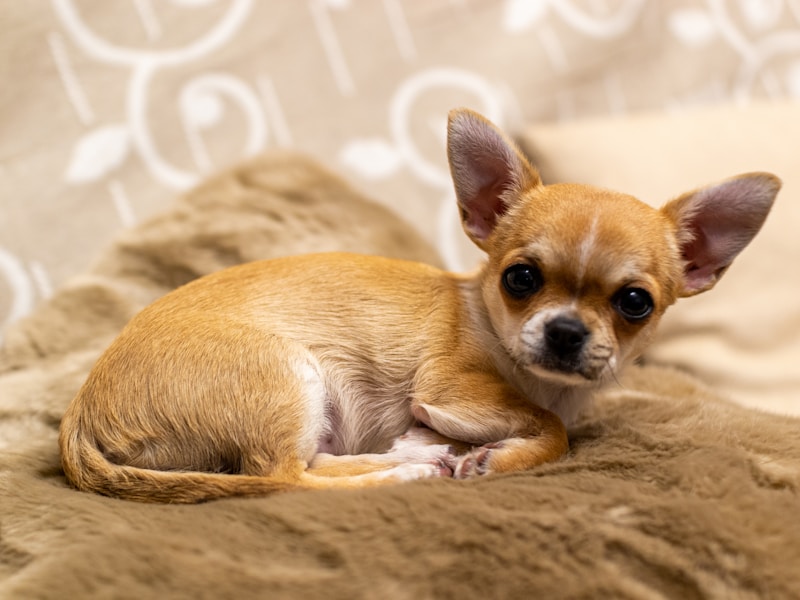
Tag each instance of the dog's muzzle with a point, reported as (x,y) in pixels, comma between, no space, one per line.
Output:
(565,338)
(565,350)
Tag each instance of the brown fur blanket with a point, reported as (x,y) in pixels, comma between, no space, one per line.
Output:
(667,491)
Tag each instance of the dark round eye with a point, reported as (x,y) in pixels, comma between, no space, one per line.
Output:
(522,280)
(633,303)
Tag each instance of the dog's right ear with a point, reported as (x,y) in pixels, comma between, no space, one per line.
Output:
(489,172)
(716,222)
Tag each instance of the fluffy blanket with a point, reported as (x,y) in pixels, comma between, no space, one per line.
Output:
(666,492)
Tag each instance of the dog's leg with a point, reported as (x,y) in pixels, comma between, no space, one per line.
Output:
(419,445)
(419,453)
(510,432)
(397,474)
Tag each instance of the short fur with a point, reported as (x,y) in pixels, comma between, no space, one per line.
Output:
(341,370)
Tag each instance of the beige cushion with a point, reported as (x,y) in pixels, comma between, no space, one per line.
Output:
(743,337)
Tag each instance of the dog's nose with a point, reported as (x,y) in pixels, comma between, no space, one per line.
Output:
(565,336)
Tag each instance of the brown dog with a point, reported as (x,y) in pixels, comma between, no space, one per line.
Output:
(339,370)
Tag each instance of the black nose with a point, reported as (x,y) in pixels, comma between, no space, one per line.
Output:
(565,336)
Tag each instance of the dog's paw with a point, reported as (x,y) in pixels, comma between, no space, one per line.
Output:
(412,471)
(420,445)
(440,453)
(475,463)
(416,437)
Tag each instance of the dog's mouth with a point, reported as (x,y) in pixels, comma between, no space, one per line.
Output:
(565,373)
(582,369)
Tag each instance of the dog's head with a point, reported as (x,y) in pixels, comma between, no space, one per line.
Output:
(578,277)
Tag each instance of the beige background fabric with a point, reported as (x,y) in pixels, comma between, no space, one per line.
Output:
(108,108)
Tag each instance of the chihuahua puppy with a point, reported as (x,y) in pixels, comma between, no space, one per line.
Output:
(340,370)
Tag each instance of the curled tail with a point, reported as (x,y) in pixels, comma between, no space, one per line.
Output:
(89,470)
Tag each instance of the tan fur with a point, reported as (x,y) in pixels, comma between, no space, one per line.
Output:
(342,370)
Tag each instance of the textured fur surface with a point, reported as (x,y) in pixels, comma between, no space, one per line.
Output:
(666,491)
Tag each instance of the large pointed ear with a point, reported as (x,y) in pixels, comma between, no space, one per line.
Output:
(715,223)
(488,170)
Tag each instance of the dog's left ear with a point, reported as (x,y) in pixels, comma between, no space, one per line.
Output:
(715,223)
(489,172)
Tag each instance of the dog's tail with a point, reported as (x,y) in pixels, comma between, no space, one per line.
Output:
(89,470)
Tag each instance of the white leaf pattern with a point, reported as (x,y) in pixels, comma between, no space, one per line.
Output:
(97,153)
(372,158)
(337,4)
(793,79)
(761,14)
(693,27)
(520,15)
(193,3)
(22,298)
(204,109)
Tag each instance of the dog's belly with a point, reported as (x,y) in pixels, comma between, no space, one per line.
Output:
(364,420)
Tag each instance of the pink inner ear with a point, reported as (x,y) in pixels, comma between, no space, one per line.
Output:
(487,170)
(488,205)
(709,253)
(721,220)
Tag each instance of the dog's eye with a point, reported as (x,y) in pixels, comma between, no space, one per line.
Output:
(522,280)
(633,303)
